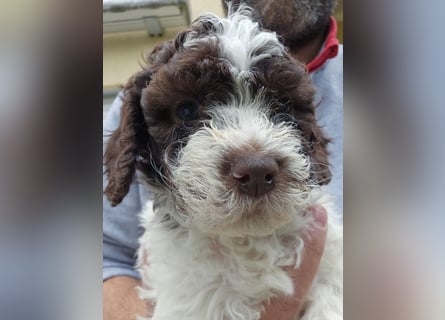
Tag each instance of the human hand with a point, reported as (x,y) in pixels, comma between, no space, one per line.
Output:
(121,300)
(288,307)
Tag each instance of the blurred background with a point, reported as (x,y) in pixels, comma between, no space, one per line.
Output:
(131,28)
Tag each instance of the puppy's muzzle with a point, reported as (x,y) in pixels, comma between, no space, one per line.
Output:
(254,174)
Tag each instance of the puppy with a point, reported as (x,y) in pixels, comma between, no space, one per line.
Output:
(220,126)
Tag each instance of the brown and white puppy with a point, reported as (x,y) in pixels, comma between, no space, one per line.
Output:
(221,126)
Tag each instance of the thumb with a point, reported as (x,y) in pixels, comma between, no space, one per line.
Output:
(288,307)
(314,241)
(315,237)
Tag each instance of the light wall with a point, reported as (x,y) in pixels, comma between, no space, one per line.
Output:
(122,52)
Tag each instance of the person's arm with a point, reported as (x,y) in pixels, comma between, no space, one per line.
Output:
(121,301)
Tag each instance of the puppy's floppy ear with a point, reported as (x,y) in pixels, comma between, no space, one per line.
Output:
(130,146)
(127,142)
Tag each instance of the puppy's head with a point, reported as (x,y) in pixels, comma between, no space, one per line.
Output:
(223,119)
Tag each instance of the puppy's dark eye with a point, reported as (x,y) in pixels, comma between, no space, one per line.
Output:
(188,110)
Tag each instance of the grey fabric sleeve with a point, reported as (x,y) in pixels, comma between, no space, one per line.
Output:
(120,224)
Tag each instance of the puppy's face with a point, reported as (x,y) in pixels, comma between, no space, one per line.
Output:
(223,119)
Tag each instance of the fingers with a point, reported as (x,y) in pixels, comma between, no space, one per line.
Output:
(314,241)
(288,307)
(120,299)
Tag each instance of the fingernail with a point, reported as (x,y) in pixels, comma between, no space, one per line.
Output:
(320,215)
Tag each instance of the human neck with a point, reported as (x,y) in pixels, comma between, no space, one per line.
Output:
(307,52)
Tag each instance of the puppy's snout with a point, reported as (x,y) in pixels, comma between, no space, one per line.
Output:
(255,174)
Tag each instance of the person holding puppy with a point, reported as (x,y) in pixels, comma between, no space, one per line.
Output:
(309,31)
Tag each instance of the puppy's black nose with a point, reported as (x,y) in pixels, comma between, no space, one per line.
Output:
(255,174)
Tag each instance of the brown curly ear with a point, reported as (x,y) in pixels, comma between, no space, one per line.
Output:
(129,141)
(130,147)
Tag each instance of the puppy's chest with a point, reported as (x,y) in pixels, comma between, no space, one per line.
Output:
(241,256)
(210,260)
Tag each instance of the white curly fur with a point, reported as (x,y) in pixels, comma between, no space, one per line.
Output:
(204,197)
(241,40)
(225,258)
(203,276)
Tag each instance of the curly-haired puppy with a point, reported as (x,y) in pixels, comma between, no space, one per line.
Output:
(221,126)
